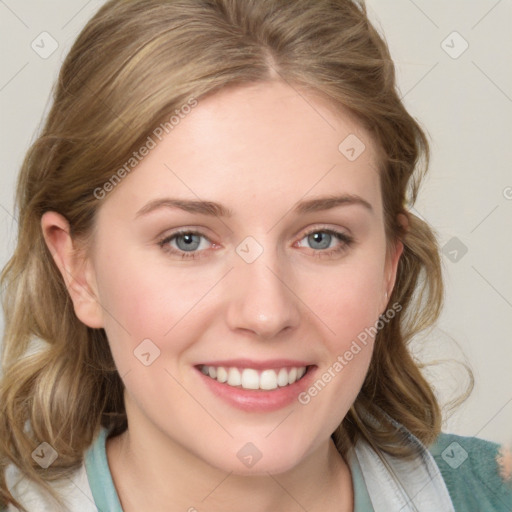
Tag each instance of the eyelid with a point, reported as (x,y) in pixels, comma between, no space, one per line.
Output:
(169,234)
(325,227)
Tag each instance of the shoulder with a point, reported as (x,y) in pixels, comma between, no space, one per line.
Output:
(471,473)
(74,489)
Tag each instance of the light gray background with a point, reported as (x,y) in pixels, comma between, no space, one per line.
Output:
(462,99)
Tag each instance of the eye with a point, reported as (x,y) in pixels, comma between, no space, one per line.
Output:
(187,244)
(322,239)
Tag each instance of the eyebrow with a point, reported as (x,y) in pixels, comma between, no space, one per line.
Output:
(212,208)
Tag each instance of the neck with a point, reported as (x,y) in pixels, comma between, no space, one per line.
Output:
(151,472)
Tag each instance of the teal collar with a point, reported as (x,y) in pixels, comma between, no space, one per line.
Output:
(99,476)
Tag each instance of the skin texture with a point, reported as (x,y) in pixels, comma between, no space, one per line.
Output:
(258,150)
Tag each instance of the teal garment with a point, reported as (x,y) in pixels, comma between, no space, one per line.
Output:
(362,501)
(99,476)
(470,472)
(468,466)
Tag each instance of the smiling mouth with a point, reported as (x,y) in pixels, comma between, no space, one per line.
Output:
(251,379)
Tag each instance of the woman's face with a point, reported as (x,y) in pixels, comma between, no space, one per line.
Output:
(256,289)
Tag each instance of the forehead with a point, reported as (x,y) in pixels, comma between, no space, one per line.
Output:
(253,144)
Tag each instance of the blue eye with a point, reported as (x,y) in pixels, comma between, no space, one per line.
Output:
(191,241)
(322,238)
(188,243)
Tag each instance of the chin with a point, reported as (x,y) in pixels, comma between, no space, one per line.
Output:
(259,457)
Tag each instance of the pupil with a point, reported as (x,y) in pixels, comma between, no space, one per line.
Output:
(320,237)
(186,242)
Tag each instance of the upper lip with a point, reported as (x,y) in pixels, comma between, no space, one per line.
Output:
(257,365)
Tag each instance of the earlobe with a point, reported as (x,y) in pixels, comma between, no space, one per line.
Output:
(76,271)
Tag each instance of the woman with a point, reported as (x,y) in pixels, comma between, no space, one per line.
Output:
(198,346)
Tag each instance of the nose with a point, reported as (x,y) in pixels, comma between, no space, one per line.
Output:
(262,300)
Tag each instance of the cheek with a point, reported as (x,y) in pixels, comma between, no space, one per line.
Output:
(139,304)
(347,301)
(347,308)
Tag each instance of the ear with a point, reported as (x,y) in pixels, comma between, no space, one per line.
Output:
(77,271)
(392,260)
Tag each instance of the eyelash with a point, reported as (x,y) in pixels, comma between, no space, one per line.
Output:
(346,240)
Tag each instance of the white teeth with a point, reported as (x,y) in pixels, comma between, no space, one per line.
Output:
(234,377)
(268,379)
(282,377)
(249,378)
(222,374)
(292,376)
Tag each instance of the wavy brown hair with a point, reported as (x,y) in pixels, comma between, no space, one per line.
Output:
(133,64)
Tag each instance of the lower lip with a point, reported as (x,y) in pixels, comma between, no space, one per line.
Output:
(259,400)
